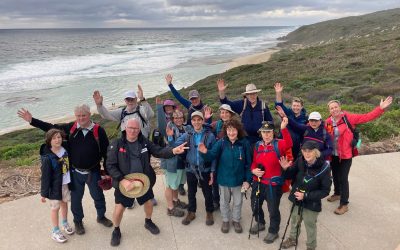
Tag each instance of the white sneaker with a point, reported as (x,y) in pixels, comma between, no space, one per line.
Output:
(58,236)
(68,229)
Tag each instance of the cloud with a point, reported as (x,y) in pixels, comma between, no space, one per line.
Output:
(153,13)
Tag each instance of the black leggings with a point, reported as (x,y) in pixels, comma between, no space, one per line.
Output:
(340,173)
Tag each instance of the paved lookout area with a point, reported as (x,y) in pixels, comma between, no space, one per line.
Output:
(373,220)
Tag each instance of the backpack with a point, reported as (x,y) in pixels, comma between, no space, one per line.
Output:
(73,130)
(263,105)
(125,113)
(157,138)
(356,136)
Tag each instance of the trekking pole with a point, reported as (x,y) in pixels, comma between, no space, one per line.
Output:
(300,214)
(255,203)
(258,206)
(287,224)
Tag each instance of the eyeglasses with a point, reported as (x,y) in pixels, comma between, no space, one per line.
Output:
(128,99)
(312,120)
(131,128)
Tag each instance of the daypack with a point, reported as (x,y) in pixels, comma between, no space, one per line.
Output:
(73,130)
(263,105)
(157,138)
(125,113)
(356,136)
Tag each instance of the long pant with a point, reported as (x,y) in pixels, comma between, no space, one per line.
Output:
(205,188)
(228,193)
(340,173)
(215,190)
(310,222)
(78,181)
(271,194)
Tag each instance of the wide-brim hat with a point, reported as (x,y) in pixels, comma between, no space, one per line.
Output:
(227,107)
(142,185)
(250,89)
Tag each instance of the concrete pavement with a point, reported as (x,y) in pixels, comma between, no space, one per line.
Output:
(372,223)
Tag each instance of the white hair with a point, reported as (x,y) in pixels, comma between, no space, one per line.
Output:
(82,108)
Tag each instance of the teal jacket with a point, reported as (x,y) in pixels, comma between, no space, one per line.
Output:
(234,161)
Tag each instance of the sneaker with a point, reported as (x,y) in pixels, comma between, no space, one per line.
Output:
(149,225)
(333,198)
(189,217)
(79,229)
(341,209)
(258,227)
(58,236)
(181,190)
(225,227)
(154,201)
(209,219)
(270,238)
(238,228)
(105,222)
(68,229)
(289,242)
(175,212)
(115,238)
(180,204)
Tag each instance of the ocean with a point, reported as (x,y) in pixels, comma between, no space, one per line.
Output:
(49,72)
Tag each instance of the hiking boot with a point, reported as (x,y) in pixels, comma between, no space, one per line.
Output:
(175,212)
(289,242)
(149,225)
(270,238)
(238,228)
(225,227)
(68,229)
(333,198)
(256,228)
(58,236)
(181,190)
(209,219)
(105,222)
(115,237)
(180,204)
(79,229)
(189,217)
(341,209)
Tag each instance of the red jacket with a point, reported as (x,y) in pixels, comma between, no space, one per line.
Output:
(269,159)
(344,149)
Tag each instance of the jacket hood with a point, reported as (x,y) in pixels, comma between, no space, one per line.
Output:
(44,150)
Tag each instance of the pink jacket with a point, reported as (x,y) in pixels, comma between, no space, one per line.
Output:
(345,135)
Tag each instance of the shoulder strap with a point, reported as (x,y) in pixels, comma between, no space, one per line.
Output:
(348,124)
(73,128)
(276,148)
(218,127)
(262,109)
(244,106)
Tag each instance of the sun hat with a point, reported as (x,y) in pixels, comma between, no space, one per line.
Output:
(194,94)
(197,113)
(169,102)
(227,107)
(314,116)
(310,145)
(141,185)
(130,94)
(250,89)
(267,126)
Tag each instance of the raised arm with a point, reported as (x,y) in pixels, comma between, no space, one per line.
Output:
(113,115)
(45,126)
(278,92)
(378,111)
(221,88)
(186,103)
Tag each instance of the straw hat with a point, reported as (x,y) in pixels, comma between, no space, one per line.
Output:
(141,185)
(250,89)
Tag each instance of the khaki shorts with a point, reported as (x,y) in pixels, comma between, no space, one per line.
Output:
(66,196)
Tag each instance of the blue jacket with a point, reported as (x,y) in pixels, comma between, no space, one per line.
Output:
(188,105)
(234,161)
(251,117)
(308,133)
(177,162)
(301,119)
(194,162)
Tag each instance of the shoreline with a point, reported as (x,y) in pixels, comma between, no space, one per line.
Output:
(256,58)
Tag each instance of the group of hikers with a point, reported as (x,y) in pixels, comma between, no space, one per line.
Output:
(243,149)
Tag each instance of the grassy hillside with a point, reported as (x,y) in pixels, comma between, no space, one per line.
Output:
(358,69)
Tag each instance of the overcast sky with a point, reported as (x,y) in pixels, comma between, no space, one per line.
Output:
(178,13)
